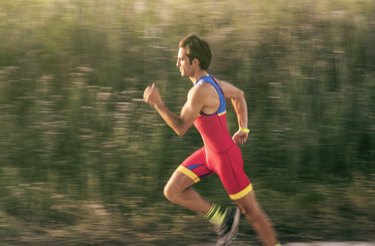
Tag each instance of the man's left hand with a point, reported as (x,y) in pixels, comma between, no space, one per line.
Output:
(240,137)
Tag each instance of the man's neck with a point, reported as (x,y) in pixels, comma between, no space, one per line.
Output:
(197,75)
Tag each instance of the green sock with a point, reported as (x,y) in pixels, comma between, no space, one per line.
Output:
(215,215)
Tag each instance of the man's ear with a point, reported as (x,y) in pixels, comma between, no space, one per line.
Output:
(195,62)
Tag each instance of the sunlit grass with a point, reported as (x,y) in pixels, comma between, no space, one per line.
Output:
(84,160)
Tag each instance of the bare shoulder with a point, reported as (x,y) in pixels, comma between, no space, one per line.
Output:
(225,84)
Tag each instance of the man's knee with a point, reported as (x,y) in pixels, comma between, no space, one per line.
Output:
(168,193)
(247,209)
(253,212)
(176,186)
(250,207)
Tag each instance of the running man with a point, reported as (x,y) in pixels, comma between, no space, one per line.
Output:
(205,108)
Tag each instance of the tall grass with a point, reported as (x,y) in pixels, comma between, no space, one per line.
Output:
(76,141)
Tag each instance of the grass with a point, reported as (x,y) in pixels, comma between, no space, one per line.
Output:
(80,152)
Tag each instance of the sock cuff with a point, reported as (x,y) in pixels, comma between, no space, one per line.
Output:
(213,210)
(215,215)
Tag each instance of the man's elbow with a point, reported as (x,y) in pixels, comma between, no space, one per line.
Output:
(241,93)
(180,132)
(181,128)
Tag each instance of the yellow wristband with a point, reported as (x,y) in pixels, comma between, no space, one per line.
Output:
(245,130)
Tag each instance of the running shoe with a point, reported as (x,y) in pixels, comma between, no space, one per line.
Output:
(227,231)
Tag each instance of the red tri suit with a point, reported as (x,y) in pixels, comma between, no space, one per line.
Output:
(220,154)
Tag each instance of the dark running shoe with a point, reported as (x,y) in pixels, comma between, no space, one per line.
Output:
(227,231)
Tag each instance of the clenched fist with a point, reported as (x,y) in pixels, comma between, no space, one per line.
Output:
(151,95)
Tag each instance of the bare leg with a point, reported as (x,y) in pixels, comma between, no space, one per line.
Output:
(257,218)
(178,190)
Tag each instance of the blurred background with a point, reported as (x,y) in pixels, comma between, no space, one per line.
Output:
(83,160)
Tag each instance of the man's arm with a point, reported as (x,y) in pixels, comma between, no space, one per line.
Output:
(179,123)
(237,97)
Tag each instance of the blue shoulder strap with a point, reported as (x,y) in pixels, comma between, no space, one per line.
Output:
(209,79)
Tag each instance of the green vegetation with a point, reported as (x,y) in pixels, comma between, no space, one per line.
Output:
(83,161)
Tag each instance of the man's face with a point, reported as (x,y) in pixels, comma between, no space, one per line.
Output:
(183,63)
